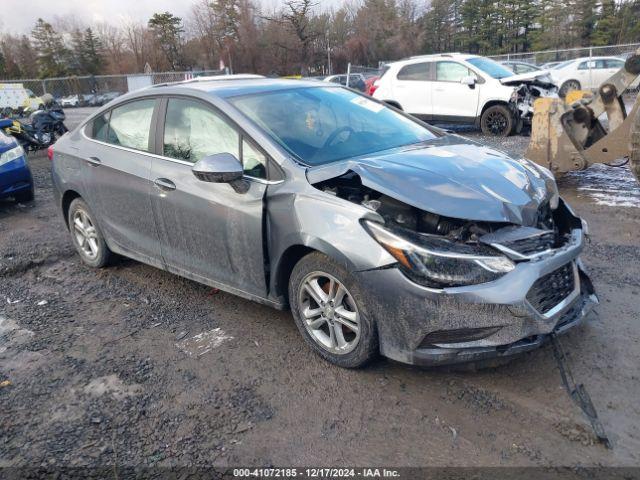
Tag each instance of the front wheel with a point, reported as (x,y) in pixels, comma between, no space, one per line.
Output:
(567,87)
(497,120)
(328,308)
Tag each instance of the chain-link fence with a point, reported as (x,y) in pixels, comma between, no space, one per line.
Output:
(366,71)
(552,58)
(95,89)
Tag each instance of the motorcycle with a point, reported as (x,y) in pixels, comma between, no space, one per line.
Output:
(45,126)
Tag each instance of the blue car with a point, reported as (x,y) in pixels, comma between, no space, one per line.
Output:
(15,176)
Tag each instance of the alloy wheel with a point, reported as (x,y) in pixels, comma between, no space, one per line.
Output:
(85,234)
(496,122)
(329,313)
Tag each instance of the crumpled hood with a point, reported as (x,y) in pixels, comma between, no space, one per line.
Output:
(454,177)
(541,78)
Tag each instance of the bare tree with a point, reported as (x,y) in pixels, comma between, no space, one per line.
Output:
(296,16)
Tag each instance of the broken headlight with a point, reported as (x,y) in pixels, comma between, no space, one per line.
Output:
(434,261)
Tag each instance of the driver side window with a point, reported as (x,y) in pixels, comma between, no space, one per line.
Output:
(451,72)
(192,131)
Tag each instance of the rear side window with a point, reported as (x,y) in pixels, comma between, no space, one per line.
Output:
(614,63)
(130,124)
(99,127)
(416,71)
(593,64)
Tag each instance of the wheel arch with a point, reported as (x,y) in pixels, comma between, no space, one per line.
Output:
(68,197)
(293,254)
(490,104)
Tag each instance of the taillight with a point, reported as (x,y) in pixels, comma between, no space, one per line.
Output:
(372,89)
(50,152)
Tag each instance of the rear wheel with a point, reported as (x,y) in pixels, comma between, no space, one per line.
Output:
(497,120)
(328,309)
(86,235)
(568,86)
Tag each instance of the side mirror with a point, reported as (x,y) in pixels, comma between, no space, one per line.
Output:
(469,81)
(218,168)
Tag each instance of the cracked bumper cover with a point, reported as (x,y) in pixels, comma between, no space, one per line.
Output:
(406,312)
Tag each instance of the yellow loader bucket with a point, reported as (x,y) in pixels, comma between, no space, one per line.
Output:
(569,135)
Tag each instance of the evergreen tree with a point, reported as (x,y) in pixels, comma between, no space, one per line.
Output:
(92,53)
(167,30)
(50,50)
(607,29)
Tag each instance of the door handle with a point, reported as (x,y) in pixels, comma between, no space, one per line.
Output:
(94,161)
(164,184)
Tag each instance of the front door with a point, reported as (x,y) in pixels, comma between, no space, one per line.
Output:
(116,171)
(451,99)
(209,231)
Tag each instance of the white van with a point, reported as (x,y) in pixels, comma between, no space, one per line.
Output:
(15,96)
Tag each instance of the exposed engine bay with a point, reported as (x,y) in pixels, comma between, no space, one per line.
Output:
(526,93)
(552,229)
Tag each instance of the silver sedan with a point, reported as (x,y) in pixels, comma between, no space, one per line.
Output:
(381,233)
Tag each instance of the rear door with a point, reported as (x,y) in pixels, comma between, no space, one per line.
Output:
(451,99)
(591,73)
(208,231)
(117,166)
(612,66)
(412,88)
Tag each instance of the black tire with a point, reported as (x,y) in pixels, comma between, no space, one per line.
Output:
(568,86)
(26,196)
(366,348)
(103,254)
(497,120)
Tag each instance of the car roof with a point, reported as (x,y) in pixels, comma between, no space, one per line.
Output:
(234,85)
(434,56)
(583,59)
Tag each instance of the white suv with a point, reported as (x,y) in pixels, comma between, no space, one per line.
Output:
(462,88)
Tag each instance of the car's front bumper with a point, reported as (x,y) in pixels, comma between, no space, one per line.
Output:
(15,177)
(405,313)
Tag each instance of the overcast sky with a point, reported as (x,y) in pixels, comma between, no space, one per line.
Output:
(22,15)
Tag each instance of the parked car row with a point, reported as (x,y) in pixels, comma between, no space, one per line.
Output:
(585,73)
(497,97)
(87,100)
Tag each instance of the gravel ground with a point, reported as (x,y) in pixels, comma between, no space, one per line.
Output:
(132,366)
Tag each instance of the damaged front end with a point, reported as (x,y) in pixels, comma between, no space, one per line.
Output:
(527,90)
(461,290)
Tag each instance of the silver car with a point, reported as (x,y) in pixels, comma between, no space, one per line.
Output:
(381,233)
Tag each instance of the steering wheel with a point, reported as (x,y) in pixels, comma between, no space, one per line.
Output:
(335,134)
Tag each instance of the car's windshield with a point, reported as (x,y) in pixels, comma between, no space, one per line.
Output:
(490,67)
(322,125)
